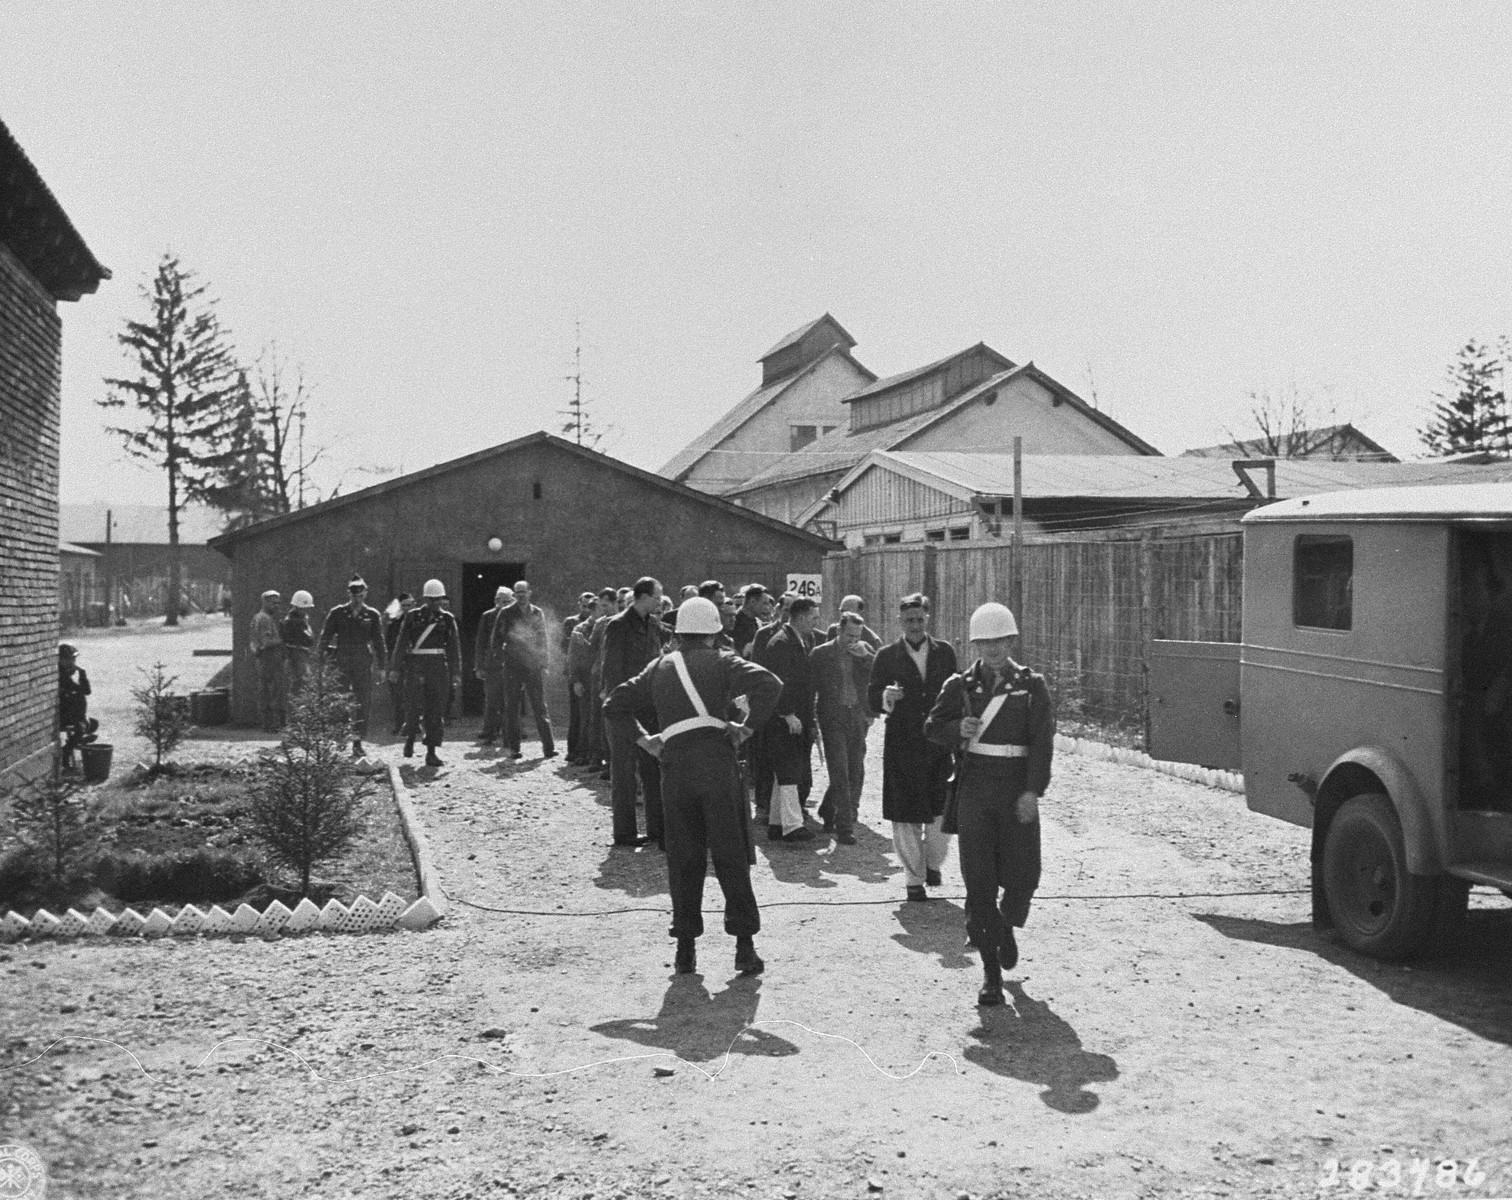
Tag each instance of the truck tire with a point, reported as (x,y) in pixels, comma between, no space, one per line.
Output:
(1379,907)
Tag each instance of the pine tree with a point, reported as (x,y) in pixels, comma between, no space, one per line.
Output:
(1473,414)
(186,394)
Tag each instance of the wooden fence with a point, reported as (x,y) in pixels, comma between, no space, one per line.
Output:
(1090,606)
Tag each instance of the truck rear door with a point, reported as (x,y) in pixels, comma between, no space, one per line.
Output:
(1194,703)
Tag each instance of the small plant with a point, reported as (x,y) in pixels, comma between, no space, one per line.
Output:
(49,815)
(306,802)
(162,718)
(204,874)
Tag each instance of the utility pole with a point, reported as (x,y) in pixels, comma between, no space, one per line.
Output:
(574,413)
(301,456)
(1018,528)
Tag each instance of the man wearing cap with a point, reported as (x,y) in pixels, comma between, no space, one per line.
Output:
(74,720)
(679,694)
(999,720)
(520,644)
(298,639)
(268,654)
(906,678)
(353,637)
(489,667)
(430,647)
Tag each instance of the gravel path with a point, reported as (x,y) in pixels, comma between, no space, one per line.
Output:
(1208,1044)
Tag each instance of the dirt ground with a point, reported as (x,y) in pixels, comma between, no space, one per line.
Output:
(1176,1026)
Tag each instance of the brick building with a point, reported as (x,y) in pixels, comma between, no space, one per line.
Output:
(42,260)
(537,508)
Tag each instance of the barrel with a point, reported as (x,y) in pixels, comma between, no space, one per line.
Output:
(96,758)
(211,707)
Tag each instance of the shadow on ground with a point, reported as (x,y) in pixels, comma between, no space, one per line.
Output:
(699,1027)
(634,870)
(1029,1041)
(938,928)
(1465,982)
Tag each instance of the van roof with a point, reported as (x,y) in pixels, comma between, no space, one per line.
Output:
(1473,502)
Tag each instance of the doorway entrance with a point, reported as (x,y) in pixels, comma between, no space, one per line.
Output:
(479,583)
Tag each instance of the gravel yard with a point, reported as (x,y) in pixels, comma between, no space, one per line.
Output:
(1175,1028)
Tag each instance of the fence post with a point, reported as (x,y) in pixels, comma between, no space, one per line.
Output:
(1146,601)
(931,572)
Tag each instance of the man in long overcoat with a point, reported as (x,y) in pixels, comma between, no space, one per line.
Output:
(906,678)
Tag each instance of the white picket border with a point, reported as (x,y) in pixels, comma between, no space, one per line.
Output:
(1228,781)
(364,916)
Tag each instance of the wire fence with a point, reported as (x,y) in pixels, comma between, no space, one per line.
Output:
(1089,607)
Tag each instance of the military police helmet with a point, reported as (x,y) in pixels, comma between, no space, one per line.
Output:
(698,615)
(992,621)
(302,599)
(434,589)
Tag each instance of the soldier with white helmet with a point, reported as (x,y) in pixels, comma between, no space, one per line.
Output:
(999,719)
(298,639)
(429,651)
(687,696)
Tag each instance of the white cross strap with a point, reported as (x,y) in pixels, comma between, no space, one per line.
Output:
(703,720)
(994,706)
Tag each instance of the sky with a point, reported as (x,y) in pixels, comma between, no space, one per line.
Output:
(1169,206)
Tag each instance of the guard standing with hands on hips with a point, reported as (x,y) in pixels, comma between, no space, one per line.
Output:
(428,650)
(999,719)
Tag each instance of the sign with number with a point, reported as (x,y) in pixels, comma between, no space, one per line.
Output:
(810,587)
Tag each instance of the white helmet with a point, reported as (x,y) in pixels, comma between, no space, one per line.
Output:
(992,620)
(698,615)
(434,589)
(302,599)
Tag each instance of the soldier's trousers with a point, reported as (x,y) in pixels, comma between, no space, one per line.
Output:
(703,802)
(427,688)
(522,684)
(358,674)
(997,851)
(493,703)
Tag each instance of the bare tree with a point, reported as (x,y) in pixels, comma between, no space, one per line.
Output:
(1291,423)
(186,392)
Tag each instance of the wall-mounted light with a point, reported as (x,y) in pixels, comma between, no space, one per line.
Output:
(495,544)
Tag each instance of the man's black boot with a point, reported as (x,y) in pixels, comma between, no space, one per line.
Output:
(432,759)
(409,747)
(356,749)
(1008,948)
(991,994)
(747,962)
(687,956)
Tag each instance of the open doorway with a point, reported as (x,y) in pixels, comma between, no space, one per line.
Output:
(479,583)
(1485,671)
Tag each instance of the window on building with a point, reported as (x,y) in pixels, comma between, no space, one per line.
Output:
(960,533)
(1323,582)
(934,535)
(800,436)
(535,490)
(873,539)
(891,539)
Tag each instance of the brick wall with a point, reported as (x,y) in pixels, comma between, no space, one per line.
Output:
(30,372)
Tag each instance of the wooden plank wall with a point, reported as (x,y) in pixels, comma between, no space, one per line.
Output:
(1090,605)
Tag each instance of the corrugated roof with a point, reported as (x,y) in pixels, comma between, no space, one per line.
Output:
(687,458)
(893,381)
(1098,476)
(803,331)
(141,524)
(38,231)
(1445,502)
(844,448)
(1327,438)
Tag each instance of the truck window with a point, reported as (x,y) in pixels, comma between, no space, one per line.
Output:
(1323,581)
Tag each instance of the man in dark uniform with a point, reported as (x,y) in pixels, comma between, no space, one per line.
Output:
(430,647)
(999,719)
(790,737)
(520,643)
(488,667)
(632,639)
(906,678)
(702,798)
(353,636)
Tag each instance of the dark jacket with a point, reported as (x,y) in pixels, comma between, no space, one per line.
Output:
(829,664)
(444,636)
(630,642)
(354,635)
(295,630)
(786,657)
(520,637)
(868,635)
(744,630)
(1027,718)
(915,771)
(656,698)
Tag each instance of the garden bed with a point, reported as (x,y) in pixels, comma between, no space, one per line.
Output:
(180,837)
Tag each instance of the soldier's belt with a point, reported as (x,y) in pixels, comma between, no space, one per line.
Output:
(418,653)
(692,723)
(998,750)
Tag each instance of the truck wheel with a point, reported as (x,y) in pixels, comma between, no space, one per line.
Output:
(1378,906)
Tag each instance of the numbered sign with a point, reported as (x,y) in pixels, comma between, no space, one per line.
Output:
(810,587)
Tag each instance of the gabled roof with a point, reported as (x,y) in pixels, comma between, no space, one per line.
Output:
(844,448)
(892,381)
(226,541)
(687,458)
(1328,438)
(38,231)
(969,476)
(803,331)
